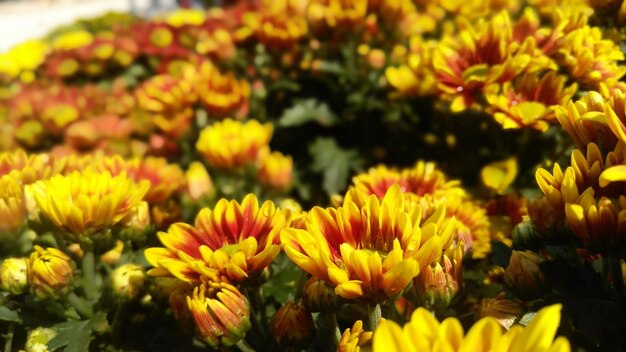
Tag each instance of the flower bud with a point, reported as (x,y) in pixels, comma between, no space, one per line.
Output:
(505,311)
(199,182)
(136,222)
(524,275)
(14,275)
(292,325)
(221,313)
(318,296)
(127,281)
(49,271)
(37,340)
(112,256)
(352,340)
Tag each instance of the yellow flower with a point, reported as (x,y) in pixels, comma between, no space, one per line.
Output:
(592,60)
(198,181)
(277,25)
(12,207)
(499,175)
(530,101)
(231,240)
(185,17)
(72,40)
(353,339)
(416,75)
(221,94)
(127,281)
(26,168)
(425,333)
(49,271)
(86,201)
(275,170)
(369,248)
(221,313)
(344,14)
(292,325)
(230,144)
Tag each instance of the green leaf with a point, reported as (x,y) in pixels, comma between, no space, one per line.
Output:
(9,315)
(306,111)
(75,335)
(285,275)
(334,163)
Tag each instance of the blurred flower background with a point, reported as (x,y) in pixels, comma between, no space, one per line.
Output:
(314,175)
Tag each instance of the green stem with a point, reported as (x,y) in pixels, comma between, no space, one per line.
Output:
(89,270)
(244,346)
(374,316)
(618,279)
(8,337)
(80,305)
(329,327)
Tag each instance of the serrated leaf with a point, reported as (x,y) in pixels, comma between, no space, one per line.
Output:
(334,163)
(75,335)
(307,111)
(7,314)
(284,279)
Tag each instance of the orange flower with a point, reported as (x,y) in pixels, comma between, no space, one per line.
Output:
(277,24)
(275,170)
(222,94)
(369,248)
(231,240)
(230,144)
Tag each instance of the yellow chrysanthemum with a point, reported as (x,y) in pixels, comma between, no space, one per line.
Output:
(12,207)
(230,144)
(26,168)
(233,240)
(425,333)
(416,75)
(277,25)
(275,170)
(354,338)
(337,13)
(369,248)
(86,201)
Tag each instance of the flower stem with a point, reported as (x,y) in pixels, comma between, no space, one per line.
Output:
(8,337)
(374,316)
(80,305)
(244,346)
(329,327)
(89,270)
(618,278)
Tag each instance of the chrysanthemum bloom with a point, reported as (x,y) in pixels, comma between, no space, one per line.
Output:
(86,201)
(222,95)
(505,311)
(198,182)
(436,285)
(230,144)
(524,275)
(275,170)
(14,275)
(471,219)
(231,240)
(165,178)
(529,101)
(158,39)
(354,338)
(169,100)
(336,14)
(480,58)
(26,168)
(591,60)
(369,248)
(425,333)
(12,207)
(49,271)
(423,178)
(277,25)
(416,75)
(221,313)
(292,325)
(592,119)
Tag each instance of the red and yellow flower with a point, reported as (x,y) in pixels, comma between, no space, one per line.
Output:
(369,248)
(233,240)
(49,271)
(222,94)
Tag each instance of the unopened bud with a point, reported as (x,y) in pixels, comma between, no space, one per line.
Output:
(292,325)
(128,281)
(38,339)
(49,272)
(524,275)
(14,275)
